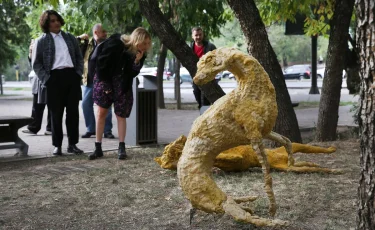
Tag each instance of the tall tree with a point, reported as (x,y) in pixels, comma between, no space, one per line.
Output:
(13,29)
(161,62)
(336,58)
(366,45)
(174,42)
(259,46)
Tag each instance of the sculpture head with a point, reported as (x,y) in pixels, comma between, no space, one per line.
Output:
(210,65)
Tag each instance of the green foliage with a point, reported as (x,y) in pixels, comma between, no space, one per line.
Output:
(294,48)
(14,30)
(208,14)
(318,13)
(231,36)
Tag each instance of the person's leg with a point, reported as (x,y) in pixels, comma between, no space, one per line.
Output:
(88,111)
(98,152)
(121,126)
(73,95)
(108,125)
(56,104)
(123,105)
(197,95)
(48,127)
(37,115)
(100,121)
(103,97)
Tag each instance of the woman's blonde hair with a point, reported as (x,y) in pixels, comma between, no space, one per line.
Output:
(138,36)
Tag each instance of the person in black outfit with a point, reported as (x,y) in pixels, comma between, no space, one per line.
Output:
(37,109)
(200,48)
(119,60)
(59,65)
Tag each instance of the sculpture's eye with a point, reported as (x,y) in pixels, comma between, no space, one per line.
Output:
(208,59)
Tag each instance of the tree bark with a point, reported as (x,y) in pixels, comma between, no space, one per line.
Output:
(336,58)
(260,47)
(174,42)
(177,88)
(159,75)
(366,46)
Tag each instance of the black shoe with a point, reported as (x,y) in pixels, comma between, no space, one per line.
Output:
(74,149)
(88,135)
(57,151)
(98,152)
(121,151)
(109,136)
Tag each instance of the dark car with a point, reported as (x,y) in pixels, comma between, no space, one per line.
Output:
(298,72)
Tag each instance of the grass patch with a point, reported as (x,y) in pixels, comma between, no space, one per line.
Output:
(138,194)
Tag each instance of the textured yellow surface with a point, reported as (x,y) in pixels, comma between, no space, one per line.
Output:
(242,117)
(243,157)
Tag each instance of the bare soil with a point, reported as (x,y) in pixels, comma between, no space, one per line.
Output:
(71,192)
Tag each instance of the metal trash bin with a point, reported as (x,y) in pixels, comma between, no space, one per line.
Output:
(142,123)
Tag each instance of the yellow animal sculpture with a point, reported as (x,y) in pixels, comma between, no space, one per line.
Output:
(244,116)
(243,157)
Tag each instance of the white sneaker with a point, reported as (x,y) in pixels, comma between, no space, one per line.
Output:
(28,131)
(47,133)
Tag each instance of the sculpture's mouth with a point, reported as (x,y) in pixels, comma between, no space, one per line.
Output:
(202,78)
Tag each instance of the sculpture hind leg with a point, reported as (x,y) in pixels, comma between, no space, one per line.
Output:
(259,149)
(285,142)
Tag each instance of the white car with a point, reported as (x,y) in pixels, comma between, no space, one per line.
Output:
(320,73)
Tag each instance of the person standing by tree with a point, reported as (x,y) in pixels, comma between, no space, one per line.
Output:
(59,65)
(120,59)
(200,47)
(37,109)
(87,48)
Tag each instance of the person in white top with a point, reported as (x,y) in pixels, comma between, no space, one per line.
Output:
(59,66)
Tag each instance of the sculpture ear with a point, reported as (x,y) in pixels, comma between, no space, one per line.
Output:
(208,59)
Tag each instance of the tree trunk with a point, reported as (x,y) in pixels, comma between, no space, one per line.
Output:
(174,42)
(177,88)
(260,47)
(331,91)
(366,46)
(159,75)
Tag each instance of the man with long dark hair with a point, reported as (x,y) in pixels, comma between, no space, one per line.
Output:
(59,65)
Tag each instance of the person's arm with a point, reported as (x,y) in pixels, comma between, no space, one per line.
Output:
(38,62)
(136,67)
(83,41)
(78,56)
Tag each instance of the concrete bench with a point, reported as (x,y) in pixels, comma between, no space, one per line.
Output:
(9,126)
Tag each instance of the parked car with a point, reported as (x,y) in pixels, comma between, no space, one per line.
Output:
(320,73)
(153,71)
(184,77)
(298,72)
(225,74)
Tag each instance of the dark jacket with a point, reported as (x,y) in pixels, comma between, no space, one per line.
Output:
(114,59)
(87,48)
(208,46)
(45,55)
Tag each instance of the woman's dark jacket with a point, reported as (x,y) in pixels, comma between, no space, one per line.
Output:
(114,59)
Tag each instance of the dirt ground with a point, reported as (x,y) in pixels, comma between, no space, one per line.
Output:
(71,192)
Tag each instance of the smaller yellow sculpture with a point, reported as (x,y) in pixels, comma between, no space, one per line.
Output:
(243,157)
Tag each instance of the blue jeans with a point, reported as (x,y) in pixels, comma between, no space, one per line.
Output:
(88,111)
